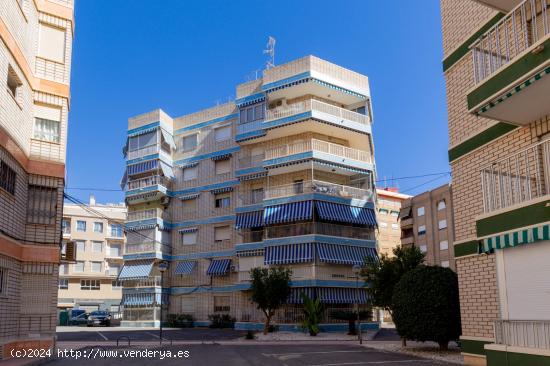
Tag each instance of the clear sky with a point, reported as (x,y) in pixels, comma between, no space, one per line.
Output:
(132,56)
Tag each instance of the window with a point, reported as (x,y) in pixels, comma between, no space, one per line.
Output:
(445,264)
(423,248)
(97,246)
(51,43)
(42,205)
(384,224)
(116,284)
(421,230)
(394,213)
(90,284)
(395,227)
(114,250)
(80,225)
(222,200)
(66,225)
(420,211)
(3,281)
(360,110)
(96,267)
(47,123)
(443,245)
(223,166)
(14,84)
(221,304)
(63,270)
(114,270)
(78,266)
(441,205)
(252,113)
(116,231)
(190,207)
(190,173)
(80,246)
(257,195)
(63,284)
(222,233)
(98,227)
(190,142)
(298,186)
(189,238)
(222,133)
(442,224)
(142,141)
(7,178)
(383,211)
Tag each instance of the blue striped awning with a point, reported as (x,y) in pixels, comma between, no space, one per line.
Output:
(190,165)
(188,230)
(167,170)
(218,267)
(185,267)
(168,138)
(144,166)
(288,254)
(253,176)
(135,270)
(345,254)
(221,190)
(295,211)
(342,166)
(140,227)
(143,132)
(330,295)
(189,196)
(144,299)
(295,296)
(345,213)
(221,157)
(247,220)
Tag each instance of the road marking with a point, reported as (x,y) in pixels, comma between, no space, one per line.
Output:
(371,362)
(153,334)
(102,336)
(312,353)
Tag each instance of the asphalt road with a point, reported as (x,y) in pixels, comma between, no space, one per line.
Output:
(87,335)
(264,355)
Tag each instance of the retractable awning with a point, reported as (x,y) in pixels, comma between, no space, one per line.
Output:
(124,180)
(144,299)
(329,295)
(189,196)
(288,212)
(185,267)
(142,167)
(289,254)
(167,170)
(221,157)
(136,270)
(143,131)
(251,219)
(188,230)
(405,212)
(345,254)
(168,138)
(221,190)
(218,267)
(345,213)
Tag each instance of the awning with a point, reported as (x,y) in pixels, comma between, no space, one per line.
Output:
(142,167)
(143,132)
(405,212)
(221,157)
(135,270)
(288,254)
(189,165)
(125,147)
(295,296)
(167,170)
(168,138)
(329,295)
(345,213)
(343,167)
(247,220)
(189,196)
(139,227)
(185,267)
(518,237)
(218,267)
(188,230)
(250,253)
(144,299)
(345,254)
(221,190)
(253,176)
(295,211)
(124,180)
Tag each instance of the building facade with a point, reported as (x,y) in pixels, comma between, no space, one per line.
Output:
(35,63)
(496,65)
(90,283)
(389,231)
(427,222)
(281,177)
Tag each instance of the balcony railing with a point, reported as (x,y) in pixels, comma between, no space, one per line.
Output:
(252,198)
(320,228)
(315,105)
(320,146)
(146,282)
(251,161)
(317,186)
(148,214)
(252,236)
(524,26)
(146,247)
(519,178)
(148,182)
(144,151)
(523,333)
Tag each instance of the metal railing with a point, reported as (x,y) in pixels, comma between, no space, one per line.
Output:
(251,161)
(518,178)
(147,182)
(146,282)
(146,247)
(148,214)
(317,186)
(520,29)
(320,228)
(252,197)
(147,150)
(315,105)
(523,333)
(317,145)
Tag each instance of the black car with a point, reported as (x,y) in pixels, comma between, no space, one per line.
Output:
(99,317)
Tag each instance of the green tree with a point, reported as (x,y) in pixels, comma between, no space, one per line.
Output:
(313,313)
(270,289)
(351,318)
(426,305)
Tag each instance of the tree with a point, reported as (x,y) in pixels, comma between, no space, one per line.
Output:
(426,305)
(270,289)
(351,317)
(313,313)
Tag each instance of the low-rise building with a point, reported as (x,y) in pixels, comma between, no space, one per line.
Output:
(389,232)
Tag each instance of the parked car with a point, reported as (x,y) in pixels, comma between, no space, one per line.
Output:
(99,317)
(78,317)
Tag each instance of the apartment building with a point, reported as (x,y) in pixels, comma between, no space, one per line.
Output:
(427,222)
(90,283)
(389,231)
(281,177)
(496,65)
(35,62)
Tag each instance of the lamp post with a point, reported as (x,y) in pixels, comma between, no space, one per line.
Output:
(356,269)
(163,266)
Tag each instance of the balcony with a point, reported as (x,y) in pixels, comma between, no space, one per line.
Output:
(517,179)
(407,223)
(317,186)
(407,240)
(252,198)
(153,281)
(251,161)
(145,151)
(523,333)
(510,66)
(152,213)
(147,248)
(146,182)
(319,228)
(250,236)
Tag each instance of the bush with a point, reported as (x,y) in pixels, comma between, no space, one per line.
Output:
(313,312)
(180,320)
(351,317)
(249,335)
(426,305)
(221,321)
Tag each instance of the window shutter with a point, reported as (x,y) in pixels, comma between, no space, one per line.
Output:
(223,133)
(51,44)
(223,166)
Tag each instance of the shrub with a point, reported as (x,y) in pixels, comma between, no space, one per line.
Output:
(313,312)
(221,321)
(180,320)
(426,305)
(249,335)
(351,317)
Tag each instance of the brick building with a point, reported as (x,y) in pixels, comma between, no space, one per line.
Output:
(496,64)
(389,203)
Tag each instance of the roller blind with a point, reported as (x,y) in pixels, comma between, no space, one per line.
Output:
(51,43)
(47,112)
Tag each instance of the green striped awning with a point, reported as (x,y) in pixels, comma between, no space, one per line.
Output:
(519,237)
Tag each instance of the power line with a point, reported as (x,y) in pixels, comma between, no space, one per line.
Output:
(93,189)
(412,177)
(423,184)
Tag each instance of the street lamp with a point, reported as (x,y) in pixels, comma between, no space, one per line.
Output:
(356,269)
(163,266)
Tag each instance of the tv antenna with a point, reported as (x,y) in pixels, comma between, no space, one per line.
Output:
(270,51)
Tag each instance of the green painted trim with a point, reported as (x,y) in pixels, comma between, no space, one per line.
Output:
(503,358)
(464,48)
(484,137)
(473,347)
(515,219)
(466,248)
(509,75)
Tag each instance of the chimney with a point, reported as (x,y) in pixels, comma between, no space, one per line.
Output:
(92,200)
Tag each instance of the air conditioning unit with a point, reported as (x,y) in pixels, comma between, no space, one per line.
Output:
(234,268)
(165,200)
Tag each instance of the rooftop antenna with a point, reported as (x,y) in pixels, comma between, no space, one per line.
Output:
(270,51)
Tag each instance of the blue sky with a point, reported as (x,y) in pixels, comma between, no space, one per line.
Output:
(130,57)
